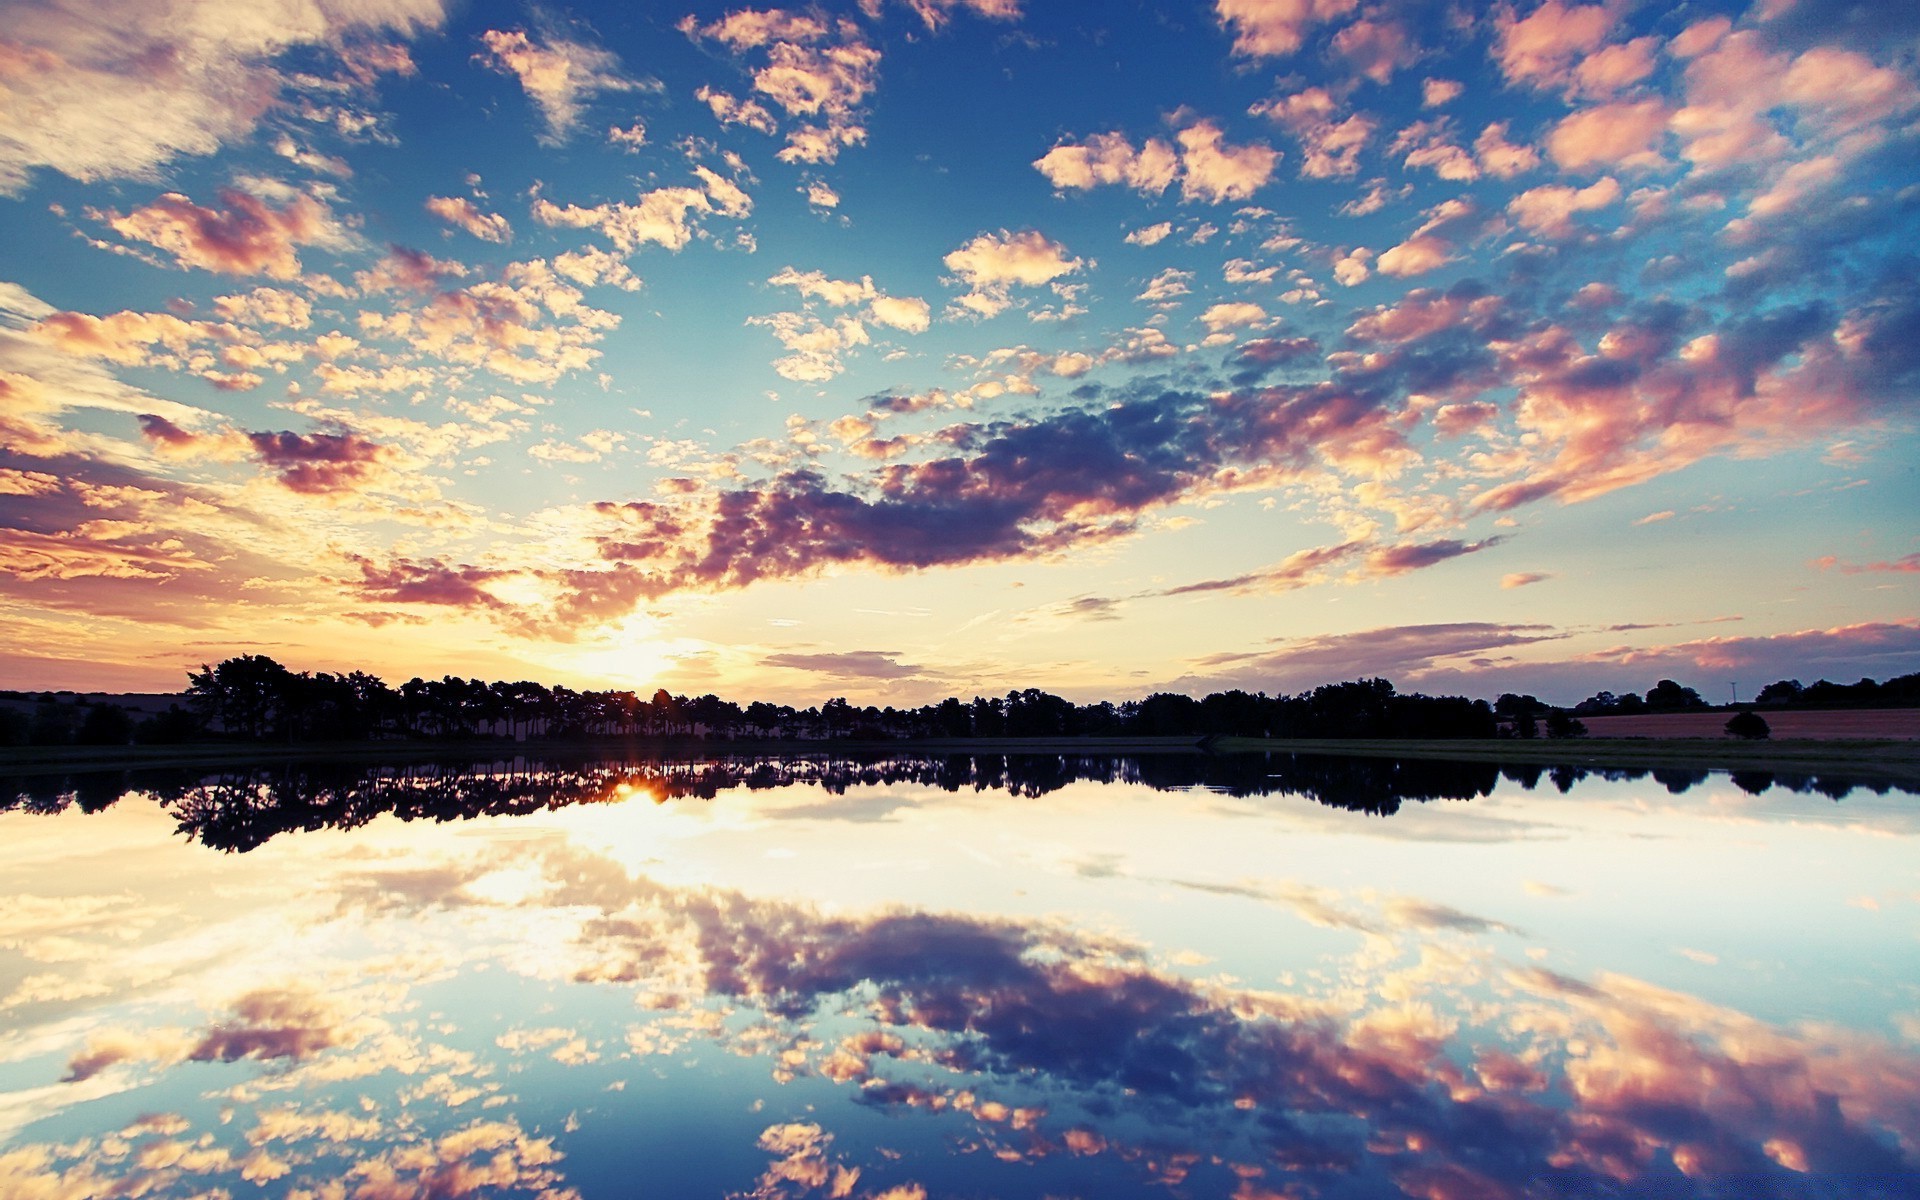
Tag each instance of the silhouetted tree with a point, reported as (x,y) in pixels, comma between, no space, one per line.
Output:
(105,725)
(170,728)
(1748,724)
(1668,696)
(1561,724)
(52,723)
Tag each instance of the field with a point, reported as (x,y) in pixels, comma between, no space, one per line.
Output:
(1870,723)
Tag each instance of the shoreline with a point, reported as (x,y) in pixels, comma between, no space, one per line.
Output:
(1864,760)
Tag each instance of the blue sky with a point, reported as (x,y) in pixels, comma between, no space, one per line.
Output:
(953,347)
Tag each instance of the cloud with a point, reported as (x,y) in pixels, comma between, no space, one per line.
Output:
(1275,28)
(1233,315)
(1331,146)
(817,70)
(104,91)
(991,264)
(318,463)
(818,346)
(248,237)
(1904,565)
(665,216)
(1622,135)
(908,313)
(1500,158)
(1541,48)
(1405,653)
(1109,158)
(1375,49)
(1416,256)
(880,665)
(1398,560)
(1548,210)
(271,1024)
(1206,168)
(266,306)
(1521,579)
(1215,171)
(404,581)
(462,213)
(559,74)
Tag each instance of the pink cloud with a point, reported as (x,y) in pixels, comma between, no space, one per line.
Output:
(1331,146)
(249,237)
(404,581)
(560,75)
(1376,48)
(1216,171)
(1905,565)
(1416,256)
(1548,210)
(1624,134)
(1540,48)
(462,213)
(1275,28)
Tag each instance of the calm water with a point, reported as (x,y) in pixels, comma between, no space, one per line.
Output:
(975,978)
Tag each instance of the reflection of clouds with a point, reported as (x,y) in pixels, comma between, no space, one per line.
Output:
(1005,1001)
(1417,1064)
(1320,906)
(265,1024)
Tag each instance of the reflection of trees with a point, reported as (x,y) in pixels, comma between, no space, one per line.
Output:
(242,809)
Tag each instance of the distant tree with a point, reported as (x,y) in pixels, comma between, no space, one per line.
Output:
(170,728)
(1562,724)
(14,726)
(1668,696)
(1749,725)
(52,724)
(1782,691)
(105,725)
(1523,711)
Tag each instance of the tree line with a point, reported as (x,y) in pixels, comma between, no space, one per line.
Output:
(253,698)
(242,809)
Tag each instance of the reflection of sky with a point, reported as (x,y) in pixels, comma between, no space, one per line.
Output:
(1111,991)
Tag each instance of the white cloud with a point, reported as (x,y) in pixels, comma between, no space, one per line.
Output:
(992,263)
(560,77)
(106,90)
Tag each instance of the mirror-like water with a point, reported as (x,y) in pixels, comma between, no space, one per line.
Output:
(978,977)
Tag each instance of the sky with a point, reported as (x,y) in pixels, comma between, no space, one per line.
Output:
(896,349)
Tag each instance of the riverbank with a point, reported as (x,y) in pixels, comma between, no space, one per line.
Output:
(1889,761)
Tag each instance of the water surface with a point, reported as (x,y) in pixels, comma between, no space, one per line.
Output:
(1042,977)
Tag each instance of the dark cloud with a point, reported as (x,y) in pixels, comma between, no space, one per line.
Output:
(273,1024)
(318,462)
(161,430)
(851,664)
(431,581)
(1412,556)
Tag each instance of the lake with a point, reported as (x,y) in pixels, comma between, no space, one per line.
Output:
(895,978)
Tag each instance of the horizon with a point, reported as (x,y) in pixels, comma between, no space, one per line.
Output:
(902,349)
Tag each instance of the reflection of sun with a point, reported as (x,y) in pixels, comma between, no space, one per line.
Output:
(635,791)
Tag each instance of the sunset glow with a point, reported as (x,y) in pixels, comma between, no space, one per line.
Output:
(893,349)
